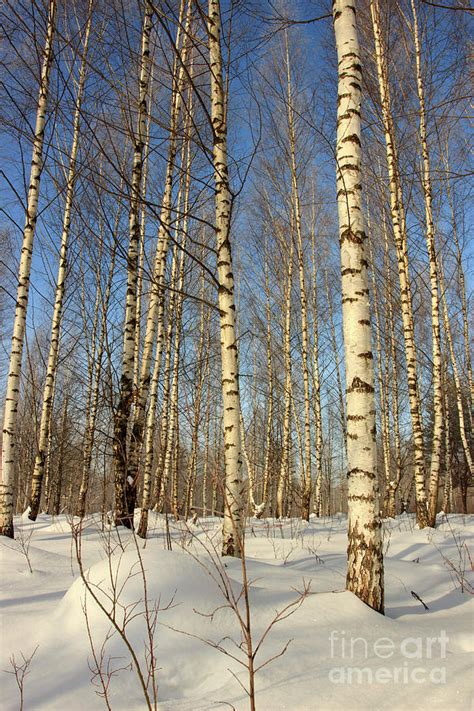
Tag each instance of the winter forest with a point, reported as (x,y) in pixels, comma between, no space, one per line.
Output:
(235,355)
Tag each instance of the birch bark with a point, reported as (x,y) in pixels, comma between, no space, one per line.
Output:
(233,528)
(124,489)
(365,560)
(399,228)
(51,368)
(19,324)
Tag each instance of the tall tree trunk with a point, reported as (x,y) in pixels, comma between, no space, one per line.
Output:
(335,350)
(382,391)
(233,529)
(95,376)
(365,560)
(296,207)
(456,376)
(395,481)
(399,229)
(171,449)
(154,327)
(284,473)
(19,324)
(206,431)
(448,480)
(268,434)
(462,291)
(141,255)
(51,368)
(435,325)
(318,421)
(123,487)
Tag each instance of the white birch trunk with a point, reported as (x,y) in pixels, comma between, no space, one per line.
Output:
(154,327)
(19,324)
(296,207)
(456,376)
(435,318)
(399,228)
(318,423)
(48,390)
(365,560)
(284,473)
(233,528)
(124,489)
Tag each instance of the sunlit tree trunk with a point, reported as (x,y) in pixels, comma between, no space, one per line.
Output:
(390,327)
(448,480)
(141,254)
(19,324)
(171,449)
(296,207)
(335,350)
(96,370)
(399,229)
(124,488)
(381,385)
(269,428)
(462,291)
(456,376)
(154,327)
(206,433)
(318,421)
(51,368)
(233,529)
(365,560)
(284,473)
(435,319)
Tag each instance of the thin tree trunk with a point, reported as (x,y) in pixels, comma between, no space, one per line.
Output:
(124,489)
(435,325)
(318,422)
(382,392)
(394,482)
(206,433)
(462,290)
(154,328)
(19,325)
(94,384)
(365,559)
(141,255)
(283,477)
(268,435)
(457,379)
(296,207)
(233,528)
(399,228)
(51,368)
(172,429)
(335,350)
(448,481)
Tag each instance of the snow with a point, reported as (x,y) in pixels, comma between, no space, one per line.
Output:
(342,655)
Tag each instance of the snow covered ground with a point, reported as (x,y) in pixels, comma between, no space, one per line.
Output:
(342,655)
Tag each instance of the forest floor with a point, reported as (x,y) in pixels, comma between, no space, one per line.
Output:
(342,655)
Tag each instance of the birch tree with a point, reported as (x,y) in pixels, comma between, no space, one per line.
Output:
(233,528)
(434,281)
(296,207)
(19,324)
(154,328)
(124,488)
(399,229)
(365,560)
(48,390)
